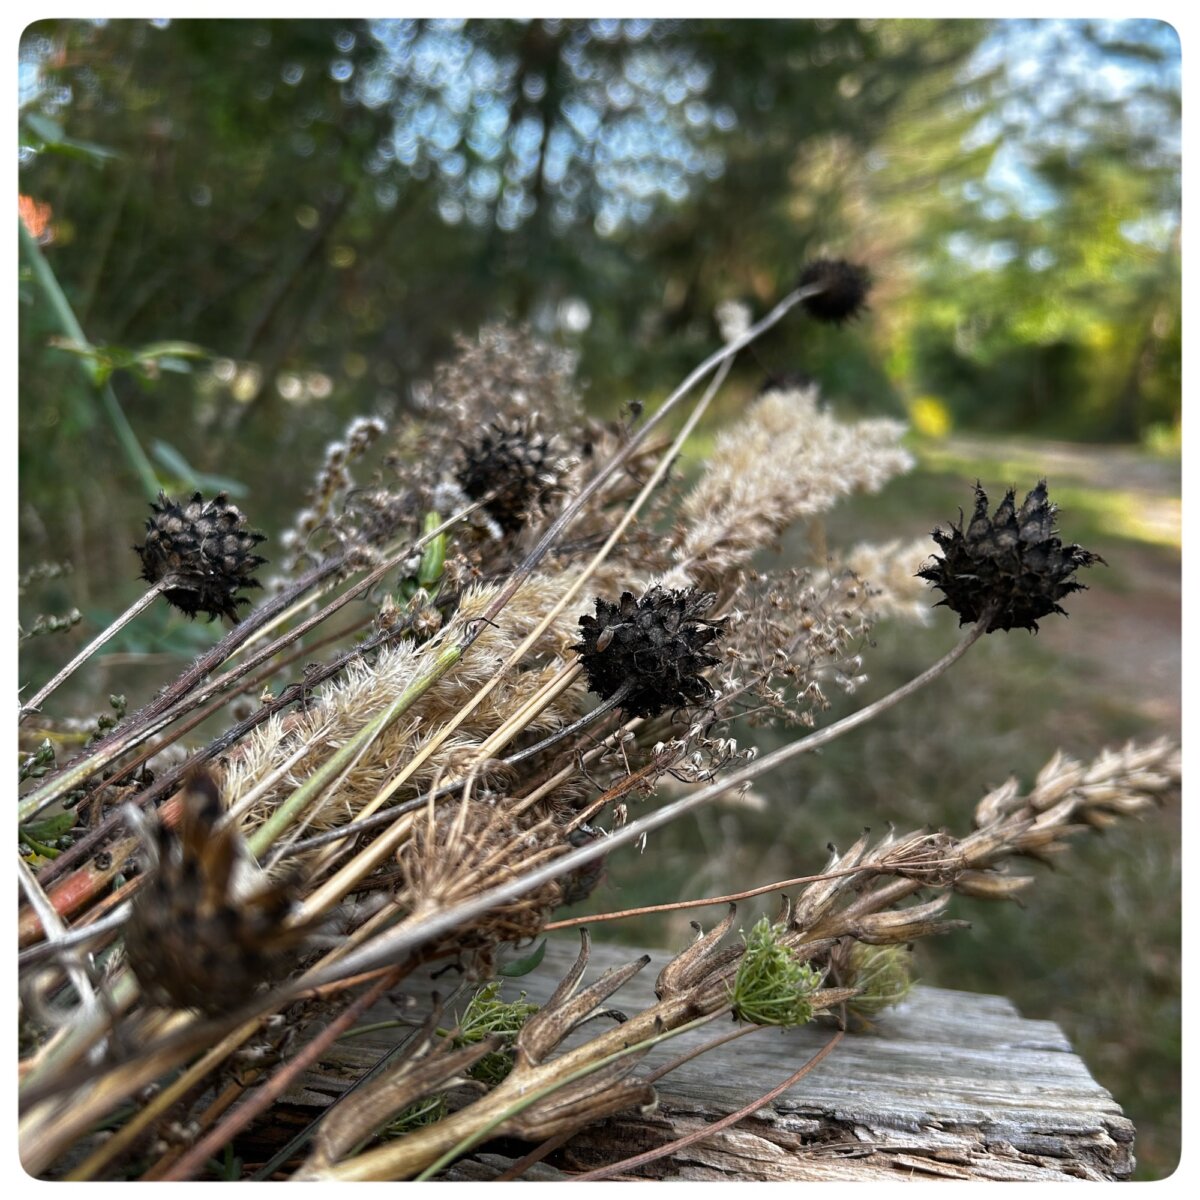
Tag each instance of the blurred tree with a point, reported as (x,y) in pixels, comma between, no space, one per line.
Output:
(320,205)
(1045,282)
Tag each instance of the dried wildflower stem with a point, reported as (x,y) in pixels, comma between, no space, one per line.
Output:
(702,902)
(169,780)
(89,1002)
(384,817)
(374,854)
(638,1160)
(264,837)
(131,733)
(177,699)
(434,1147)
(270,1091)
(129,1132)
(142,603)
(517,721)
(406,939)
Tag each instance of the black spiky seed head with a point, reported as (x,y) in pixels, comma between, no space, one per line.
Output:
(205,550)
(844,287)
(1011,564)
(655,647)
(516,462)
(191,939)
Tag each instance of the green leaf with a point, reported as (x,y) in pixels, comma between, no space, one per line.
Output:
(169,457)
(54,138)
(48,130)
(50,828)
(522,966)
(169,350)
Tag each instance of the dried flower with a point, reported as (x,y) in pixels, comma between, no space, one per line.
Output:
(516,463)
(844,289)
(652,648)
(204,550)
(784,461)
(1011,566)
(190,939)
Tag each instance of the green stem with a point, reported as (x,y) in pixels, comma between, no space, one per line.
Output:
(265,836)
(48,281)
(473,1139)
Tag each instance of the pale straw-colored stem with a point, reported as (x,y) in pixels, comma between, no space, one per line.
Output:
(384,845)
(139,605)
(401,941)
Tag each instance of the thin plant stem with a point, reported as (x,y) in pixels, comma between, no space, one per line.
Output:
(128,1133)
(405,940)
(139,605)
(541,1093)
(638,1160)
(263,837)
(48,282)
(702,902)
(279,1083)
(176,700)
(387,815)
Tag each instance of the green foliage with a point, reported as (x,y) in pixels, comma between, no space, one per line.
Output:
(429,1110)
(772,986)
(522,966)
(885,975)
(485,1015)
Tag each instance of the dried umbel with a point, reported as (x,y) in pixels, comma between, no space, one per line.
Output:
(844,287)
(191,940)
(1011,565)
(514,464)
(204,550)
(651,650)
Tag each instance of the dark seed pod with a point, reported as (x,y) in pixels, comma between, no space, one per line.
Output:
(654,647)
(843,293)
(206,551)
(786,381)
(1011,564)
(518,464)
(576,886)
(190,940)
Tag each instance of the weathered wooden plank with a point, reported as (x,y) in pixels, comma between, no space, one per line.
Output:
(947,1085)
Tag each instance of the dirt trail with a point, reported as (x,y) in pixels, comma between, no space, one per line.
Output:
(1127,635)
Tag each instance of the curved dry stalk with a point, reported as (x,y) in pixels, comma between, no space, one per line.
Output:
(240,1117)
(405,940)
(138,606)
(702,902)
(639,1160)
(181,696)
